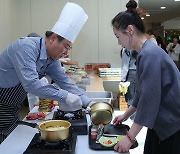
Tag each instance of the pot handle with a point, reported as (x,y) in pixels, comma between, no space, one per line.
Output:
(88,109)
(33,125)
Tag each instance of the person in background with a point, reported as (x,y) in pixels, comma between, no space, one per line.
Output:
(67,61)
(33,35)
(24,62)
(174,51)
(150,36)
(128,72)
(161,43)
(156,101)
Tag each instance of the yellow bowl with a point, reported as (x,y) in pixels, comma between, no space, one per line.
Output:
(120,137)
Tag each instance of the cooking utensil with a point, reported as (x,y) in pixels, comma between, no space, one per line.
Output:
(51,130)
(110,135)
(101,113)
(100,131)
(119,137)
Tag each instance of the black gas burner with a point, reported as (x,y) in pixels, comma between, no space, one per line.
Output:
(40,146)
(61,145)
(77,119)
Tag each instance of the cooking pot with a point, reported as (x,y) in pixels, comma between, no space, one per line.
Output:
(101,113)
(52,130)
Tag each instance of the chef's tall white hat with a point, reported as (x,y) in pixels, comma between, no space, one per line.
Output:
(70,22)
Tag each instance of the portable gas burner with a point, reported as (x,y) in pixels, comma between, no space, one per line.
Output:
(77,119)
(40,146)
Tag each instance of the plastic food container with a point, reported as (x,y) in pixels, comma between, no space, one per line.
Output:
(102,96)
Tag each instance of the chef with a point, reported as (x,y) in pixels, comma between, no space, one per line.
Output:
(28,59)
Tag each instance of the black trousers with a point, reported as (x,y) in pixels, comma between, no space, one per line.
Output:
(153,145)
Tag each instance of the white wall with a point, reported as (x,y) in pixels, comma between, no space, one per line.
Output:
(8,22)
(2,25)
(172,24)
(109,50)
(95,43)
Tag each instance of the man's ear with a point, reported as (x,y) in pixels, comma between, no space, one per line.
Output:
(53,37)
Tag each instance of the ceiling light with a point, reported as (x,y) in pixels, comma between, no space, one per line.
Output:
(147,15)
(163,7)
(142,18)
(176,0)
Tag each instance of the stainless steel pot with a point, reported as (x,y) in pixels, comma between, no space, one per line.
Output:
(101,113)
(52,130)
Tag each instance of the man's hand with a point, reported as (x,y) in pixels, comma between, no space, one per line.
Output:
(73,103)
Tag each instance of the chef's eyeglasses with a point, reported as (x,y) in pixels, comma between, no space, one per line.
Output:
(68,47)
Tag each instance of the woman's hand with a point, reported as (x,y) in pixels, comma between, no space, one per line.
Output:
(119,119)
(123,145)
(125,116)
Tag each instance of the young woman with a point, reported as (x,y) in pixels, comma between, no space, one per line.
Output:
(156,101)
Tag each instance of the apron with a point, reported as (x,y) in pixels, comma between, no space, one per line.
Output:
(11,101)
